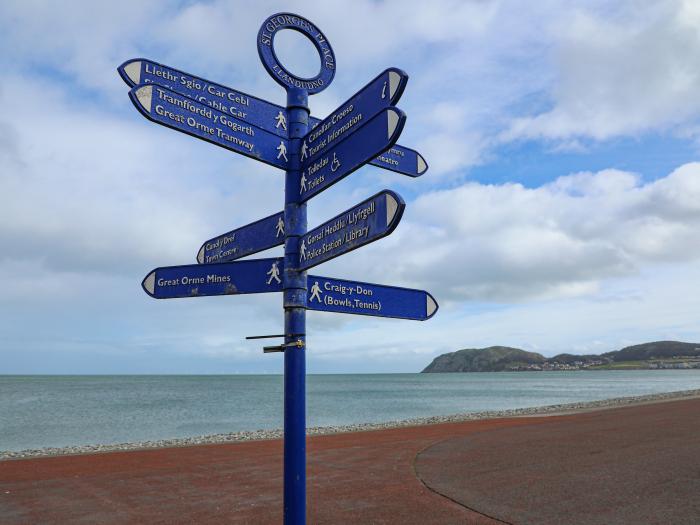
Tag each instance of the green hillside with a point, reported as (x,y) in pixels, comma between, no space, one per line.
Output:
(504,358)
(491,359)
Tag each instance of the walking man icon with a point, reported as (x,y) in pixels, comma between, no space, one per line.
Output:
(282,151)
(303,250)
(274,273)
(281,120)
(304,151)
(303,184)
(315,292)
(280,227)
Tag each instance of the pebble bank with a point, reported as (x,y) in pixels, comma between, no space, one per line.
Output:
(315,431)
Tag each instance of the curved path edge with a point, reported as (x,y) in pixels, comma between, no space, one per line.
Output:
(635,464)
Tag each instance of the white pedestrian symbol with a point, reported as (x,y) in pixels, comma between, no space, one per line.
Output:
(281,120)
(280,227)
(282,151)
(274,273)
(384,90)
(303,250)
(315,292)
(335,164)
(304,151)
(303,184)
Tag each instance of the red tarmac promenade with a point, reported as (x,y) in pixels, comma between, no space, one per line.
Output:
(636,465)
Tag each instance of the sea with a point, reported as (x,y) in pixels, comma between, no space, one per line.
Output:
(62,411)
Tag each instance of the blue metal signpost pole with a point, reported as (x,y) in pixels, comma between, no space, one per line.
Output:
(278,136)
(294,286)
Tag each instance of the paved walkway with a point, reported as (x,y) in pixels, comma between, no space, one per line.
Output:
(643,460)
(637,465)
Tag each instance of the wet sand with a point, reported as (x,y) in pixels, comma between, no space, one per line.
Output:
(635,464)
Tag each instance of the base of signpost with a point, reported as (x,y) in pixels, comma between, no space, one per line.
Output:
(294,436)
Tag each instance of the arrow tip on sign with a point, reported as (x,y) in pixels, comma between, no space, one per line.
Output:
(143,95)
(394,83)
(392,206)
(149,283)
(431,305)
(133,71)
(393,119)
(422,165)
(200,255)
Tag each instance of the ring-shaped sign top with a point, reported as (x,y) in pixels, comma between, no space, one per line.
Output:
(266,50)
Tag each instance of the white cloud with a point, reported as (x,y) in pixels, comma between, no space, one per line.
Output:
(510,243)
(93,192)
(622,73)
(481,72)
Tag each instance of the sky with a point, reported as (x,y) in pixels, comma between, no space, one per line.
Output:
(560,213)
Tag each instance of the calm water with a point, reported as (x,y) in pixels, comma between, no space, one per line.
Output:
(55,411)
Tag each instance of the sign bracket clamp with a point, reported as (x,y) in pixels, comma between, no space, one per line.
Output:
(281,348)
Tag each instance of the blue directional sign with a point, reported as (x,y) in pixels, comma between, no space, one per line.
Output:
(246,240)
(181,113)
(259,112)
(382,92)
(352,297)
(363,144)
(201,280)
(256,111)
(370,220)
(399,159)
(402,160)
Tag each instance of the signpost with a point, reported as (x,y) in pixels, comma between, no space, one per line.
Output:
(370,220)
(382,92)
(351,297)
(363,144)
(175,111)
(256,111)
(200,280)
(246,240)
(363,130)
(264,275)
(402,160)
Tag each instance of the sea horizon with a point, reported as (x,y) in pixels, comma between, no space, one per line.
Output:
(47,410)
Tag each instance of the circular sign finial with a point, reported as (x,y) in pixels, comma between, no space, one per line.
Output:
(266,50)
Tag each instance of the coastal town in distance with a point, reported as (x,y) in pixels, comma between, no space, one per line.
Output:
(679,362)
